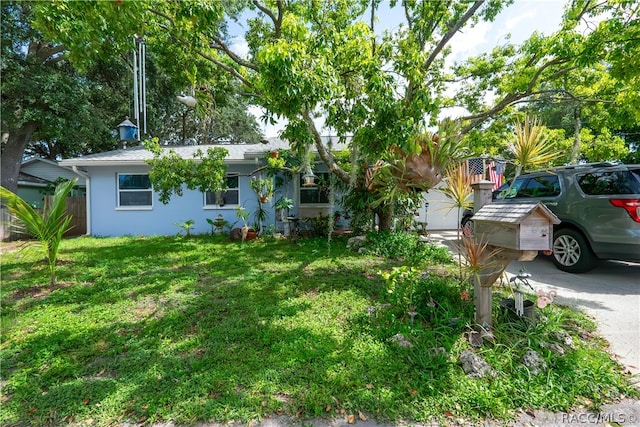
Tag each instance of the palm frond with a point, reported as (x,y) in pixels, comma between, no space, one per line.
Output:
(531,147)
(47,228)
(457,186)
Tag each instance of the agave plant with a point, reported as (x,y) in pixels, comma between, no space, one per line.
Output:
(48,227)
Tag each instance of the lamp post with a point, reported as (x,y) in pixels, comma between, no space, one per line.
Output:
(190,102)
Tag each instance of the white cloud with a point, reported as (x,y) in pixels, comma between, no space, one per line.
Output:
(240,46)
(269,130)
(524,17)
(468,40)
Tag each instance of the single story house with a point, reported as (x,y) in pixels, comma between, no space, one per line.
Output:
(121,201)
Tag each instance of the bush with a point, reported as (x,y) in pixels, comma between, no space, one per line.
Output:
(405,246)
(319,225)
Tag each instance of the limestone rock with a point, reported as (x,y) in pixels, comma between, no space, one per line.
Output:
(401,341)
(475,366)
(557,349)
(356,242)
(534,362)
(564,339)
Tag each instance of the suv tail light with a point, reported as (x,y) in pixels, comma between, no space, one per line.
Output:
(632,206)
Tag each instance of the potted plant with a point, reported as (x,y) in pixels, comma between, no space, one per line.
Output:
(247,233)
(519,306)
(283,204)
(263,188)
(260,216)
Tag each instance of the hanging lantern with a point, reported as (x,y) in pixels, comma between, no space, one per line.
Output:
(128,131)
(309,179)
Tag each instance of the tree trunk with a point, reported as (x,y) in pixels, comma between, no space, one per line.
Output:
(385,217)
(12,154)
(575,149)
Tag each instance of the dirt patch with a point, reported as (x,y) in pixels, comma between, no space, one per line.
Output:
(38,292)
(6,247)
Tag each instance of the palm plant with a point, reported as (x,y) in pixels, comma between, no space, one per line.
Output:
(457,188)
(531,147)
(48,227)
(481,259)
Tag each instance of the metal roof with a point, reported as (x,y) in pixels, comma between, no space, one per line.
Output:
(238,153)
(28,180)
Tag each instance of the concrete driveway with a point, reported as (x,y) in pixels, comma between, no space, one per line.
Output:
(610,293)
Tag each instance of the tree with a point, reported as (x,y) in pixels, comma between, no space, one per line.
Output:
(55,109)
(38,90)
(169,171)
(586,104)
(324,59)
(47,228)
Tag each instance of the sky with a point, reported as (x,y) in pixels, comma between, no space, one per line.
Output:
(517,21)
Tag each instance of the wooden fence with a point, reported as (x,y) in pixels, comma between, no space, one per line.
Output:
(76,207)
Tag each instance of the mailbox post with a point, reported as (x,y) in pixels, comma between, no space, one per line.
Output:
(518,230)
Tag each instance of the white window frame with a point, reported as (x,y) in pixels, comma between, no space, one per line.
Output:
(119,191)
(302,188)
(226,205)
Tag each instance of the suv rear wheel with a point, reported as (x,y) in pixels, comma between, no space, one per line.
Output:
(571,252)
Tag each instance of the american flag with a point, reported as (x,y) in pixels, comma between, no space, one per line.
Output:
(496,171)
(475,167)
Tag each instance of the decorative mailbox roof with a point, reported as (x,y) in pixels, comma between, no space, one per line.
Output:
(513,213)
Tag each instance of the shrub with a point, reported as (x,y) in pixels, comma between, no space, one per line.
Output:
(405,246)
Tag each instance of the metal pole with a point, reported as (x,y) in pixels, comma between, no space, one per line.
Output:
(140,86)
(143,82)
(136,113)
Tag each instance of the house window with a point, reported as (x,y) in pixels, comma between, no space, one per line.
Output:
(229,197)
(134,190)
(319,194)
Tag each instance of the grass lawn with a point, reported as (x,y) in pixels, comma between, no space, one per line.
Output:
(202,329)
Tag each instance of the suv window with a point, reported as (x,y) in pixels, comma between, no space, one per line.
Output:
(538,186)
(611,182)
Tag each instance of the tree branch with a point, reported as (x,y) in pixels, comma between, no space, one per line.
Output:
(452,31)
(511,98)
(228,69)
(407,15)
(323,152)
(50,54)
(220,45)
(442,43)
(277,20)
(210,58)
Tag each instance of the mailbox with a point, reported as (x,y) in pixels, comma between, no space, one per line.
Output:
(522,227)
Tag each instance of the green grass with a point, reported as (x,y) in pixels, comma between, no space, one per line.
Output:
(202,329)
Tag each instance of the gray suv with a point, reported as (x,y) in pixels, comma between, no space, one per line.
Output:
(598,204)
